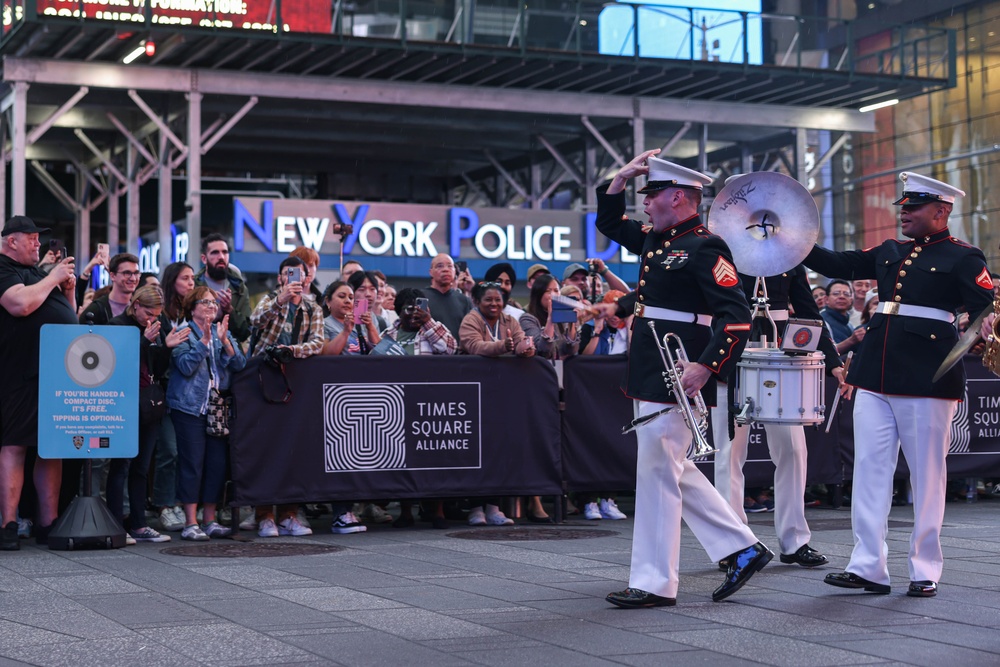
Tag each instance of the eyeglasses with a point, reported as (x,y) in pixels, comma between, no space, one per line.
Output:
(211,303)
(128,274)
(839,294)
(490,284)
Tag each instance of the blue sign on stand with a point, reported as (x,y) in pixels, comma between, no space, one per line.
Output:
(88,392)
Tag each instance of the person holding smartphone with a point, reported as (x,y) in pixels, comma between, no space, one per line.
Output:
(553,339)
(339,326)
(288,318)
(415,331)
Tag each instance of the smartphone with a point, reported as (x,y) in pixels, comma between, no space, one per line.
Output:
(563,314)
(294,274)
(360,308)
(102,250)
(423,305)
(461,266)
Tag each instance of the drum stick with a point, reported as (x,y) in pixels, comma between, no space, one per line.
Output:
(836,399)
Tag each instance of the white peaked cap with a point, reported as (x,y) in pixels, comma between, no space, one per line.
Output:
(663,174)
(918,189)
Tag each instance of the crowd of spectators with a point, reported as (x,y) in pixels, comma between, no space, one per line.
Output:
(198,329)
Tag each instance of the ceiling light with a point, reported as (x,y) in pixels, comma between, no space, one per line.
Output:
(879,105)
(138,51)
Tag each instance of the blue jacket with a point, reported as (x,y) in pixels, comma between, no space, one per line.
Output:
(187,389)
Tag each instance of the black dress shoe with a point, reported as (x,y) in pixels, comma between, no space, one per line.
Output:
(633,598)
(851,580)
(9,540)
(540,519)
(922,589)
(742,565)
(806,556)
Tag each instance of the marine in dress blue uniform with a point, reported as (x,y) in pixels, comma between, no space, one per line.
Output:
(686,279)
(921,283)
(786,443)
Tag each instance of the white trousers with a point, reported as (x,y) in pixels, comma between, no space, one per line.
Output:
(922,426)
(669,488)
(786,443)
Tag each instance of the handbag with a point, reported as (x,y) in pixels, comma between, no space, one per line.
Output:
(152,403)
(220,409)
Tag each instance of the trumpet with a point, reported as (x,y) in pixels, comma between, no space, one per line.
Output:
(696,418)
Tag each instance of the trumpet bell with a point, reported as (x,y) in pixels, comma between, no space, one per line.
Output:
(769,220)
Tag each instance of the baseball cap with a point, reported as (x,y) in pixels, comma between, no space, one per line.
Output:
(22,223)
(535,268)
(573,268)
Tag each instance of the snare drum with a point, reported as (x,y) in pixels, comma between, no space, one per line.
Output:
(776,388)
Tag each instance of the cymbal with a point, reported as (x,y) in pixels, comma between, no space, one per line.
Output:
(965,343)
(769,220)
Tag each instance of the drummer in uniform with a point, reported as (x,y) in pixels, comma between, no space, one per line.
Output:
(786,443)
(921,283)
(687,277)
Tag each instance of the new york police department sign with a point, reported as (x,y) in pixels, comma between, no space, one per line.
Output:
(404,426)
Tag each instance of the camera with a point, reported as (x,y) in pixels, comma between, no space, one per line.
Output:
(592,268)
(277,355)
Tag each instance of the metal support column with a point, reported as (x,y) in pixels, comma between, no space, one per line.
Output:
(83,252)
(801,146)
(164,205)
(114,238)
(194,175)
(3,170)
(19,143)
(589,173)
(638,146)
(132,200)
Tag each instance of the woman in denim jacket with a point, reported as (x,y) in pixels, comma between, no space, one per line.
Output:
(207,357)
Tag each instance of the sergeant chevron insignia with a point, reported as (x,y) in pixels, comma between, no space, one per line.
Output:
(725,273)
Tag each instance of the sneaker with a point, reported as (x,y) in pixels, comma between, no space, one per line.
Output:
(248,518)
(768,504)
(347,523)
(130,541)
(477,517)
(171,519)
(267,528)
(592,512)
(300,514)
(194,533)
(752,506)
(495,517)
(8,537)
(224,516)
(24,528)
(609,510)
(216,529)
(292,526)
(375,514)
(147,534)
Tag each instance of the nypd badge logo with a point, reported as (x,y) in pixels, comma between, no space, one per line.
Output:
(78,441)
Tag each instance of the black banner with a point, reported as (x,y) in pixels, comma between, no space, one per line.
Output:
(423,427)
(394,427)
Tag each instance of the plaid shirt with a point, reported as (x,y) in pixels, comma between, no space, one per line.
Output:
(433,338)
(269,319)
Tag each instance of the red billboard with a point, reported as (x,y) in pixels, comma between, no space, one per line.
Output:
(296,15)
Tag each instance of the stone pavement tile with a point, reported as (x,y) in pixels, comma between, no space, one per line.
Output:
(116,652)
(956,610)
(223,641)
(345,574)
(417,624)
(252,576)
(264,612)
(31,561)
(490,617)
(88,584)
(538,655)
(518,572)
(334,598)
(607,572)
(917,651)
(481,643)
(80,624)
(10,662)
(135,610)
(13,635)
(397,566)
(850,608)
(771,621)
(592,638)
(779,651)
(440,596)
(956,634)
(509,591)
(11,582)
(688,659)
(374,649)
(597,610)
(12,604)
(170,578)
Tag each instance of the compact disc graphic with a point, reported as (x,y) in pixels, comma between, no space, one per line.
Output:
(90,360)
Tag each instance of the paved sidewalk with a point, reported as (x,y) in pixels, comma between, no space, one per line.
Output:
(423,597)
